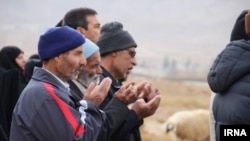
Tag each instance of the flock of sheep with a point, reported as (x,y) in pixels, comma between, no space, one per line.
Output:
(189,125)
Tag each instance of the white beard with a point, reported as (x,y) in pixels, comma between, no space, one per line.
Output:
(85,79)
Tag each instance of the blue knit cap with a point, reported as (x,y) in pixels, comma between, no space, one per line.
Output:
(89,48)
(58,40)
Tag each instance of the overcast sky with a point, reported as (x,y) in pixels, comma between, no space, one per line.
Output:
(196,29)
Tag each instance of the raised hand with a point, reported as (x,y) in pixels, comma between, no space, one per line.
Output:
(144,89)
(144,109)
(97,94)
(127,93)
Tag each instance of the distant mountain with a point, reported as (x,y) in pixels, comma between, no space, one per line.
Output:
(182,31)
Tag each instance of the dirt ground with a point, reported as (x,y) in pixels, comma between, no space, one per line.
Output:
(176,96)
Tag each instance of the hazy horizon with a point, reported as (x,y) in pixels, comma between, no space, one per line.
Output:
(174,29)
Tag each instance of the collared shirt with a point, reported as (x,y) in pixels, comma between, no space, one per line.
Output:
(65,84)
(115,86)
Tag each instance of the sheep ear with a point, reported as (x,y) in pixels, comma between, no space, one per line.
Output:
(169,128)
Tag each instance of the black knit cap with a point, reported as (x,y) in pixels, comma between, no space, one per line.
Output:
(239,31)
(114,38)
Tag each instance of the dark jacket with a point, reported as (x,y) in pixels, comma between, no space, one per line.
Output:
(75,91)
(41,116)
(30,65)
(129,131)
(12,82)
(229,78)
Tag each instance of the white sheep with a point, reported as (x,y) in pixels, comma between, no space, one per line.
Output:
(192,125)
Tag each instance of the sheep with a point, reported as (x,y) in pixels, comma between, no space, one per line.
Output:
(192,125)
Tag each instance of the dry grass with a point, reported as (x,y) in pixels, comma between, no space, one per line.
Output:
(175,96)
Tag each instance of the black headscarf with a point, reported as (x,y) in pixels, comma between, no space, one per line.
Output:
(33,61)
(8,55)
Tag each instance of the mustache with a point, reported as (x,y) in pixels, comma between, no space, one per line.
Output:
(85,78)
(79,69)
(130,68)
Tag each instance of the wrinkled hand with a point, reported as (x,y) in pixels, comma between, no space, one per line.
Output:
(152,94)
(145,109)
(144,89)
(97,94)
(127,93)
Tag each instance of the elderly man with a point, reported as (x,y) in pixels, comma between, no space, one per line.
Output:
(117,48)
(45,110)
(89,75)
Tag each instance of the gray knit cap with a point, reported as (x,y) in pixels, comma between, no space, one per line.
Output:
(114,38)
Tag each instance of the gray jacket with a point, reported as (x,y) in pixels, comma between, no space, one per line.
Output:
(42,116)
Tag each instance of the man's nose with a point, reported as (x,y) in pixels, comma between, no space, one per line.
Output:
(83,61)
(134,61)
(99,70)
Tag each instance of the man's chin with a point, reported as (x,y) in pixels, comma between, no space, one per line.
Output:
(96,81)
(73,77)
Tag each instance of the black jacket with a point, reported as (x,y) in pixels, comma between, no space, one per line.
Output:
(129,131)
(229,78)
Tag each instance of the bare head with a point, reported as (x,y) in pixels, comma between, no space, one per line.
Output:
(83,20)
